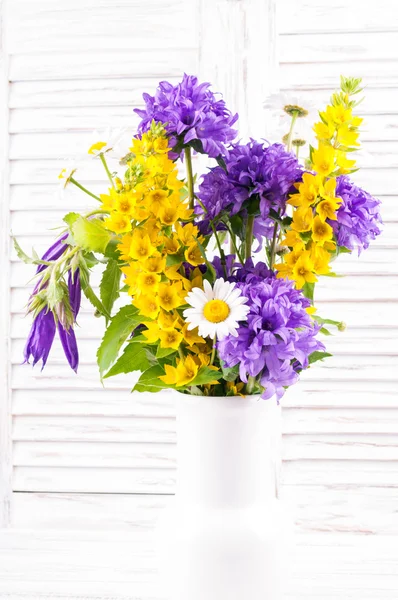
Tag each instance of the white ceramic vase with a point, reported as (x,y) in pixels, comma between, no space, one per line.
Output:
(225,536)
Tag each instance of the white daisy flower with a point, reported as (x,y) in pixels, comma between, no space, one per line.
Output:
(216,311)
(302,134)
(108,140)
(289,104)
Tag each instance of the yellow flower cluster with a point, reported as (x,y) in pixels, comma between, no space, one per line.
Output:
(151,215)
(310,236)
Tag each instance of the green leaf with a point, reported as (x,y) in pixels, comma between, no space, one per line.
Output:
(206,375)
(323,321)
(331,274)
(315,356)
(112,250)
(325,331)
(110,284)
(162,352)
(174,259)
(308,290)
(133,359)
(88,290)
(120,327)
(230,373)
(90,234)
(208,264)
(21,254)
(150,382)
(71,218)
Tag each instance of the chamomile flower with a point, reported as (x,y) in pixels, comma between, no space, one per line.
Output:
(216,311)
(287,103)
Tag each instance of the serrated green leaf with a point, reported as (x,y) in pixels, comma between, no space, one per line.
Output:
(94,300)
(134,358)
(206,375)
(112,250)
(150,382)
(162,352)
(110,284)
(325,331)
(315,356)
(230,373)
(22,255)
(90,234)
(70,218)
(120,327)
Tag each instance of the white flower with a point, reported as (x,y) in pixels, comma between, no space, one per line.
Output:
(287,103)
(277,130)
(216,311)
(107,140)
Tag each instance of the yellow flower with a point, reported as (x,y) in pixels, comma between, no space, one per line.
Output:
(320,258)
(170,338)
(108,200)
(345,165)
(141,247)
(187,233)
(97,147)
(284,270)
(124,246)
(234,388)
(303,271)
(155,199)
(193,255)
(148,306)
(192,336)
(148,283)
(169,296)
(302,219)
(347,136)
(324,131)
(183,374)
(168,213)
(323,160)
(155,264)
(293,240)
(118,222)
(327,209)
(161,145)
(152,332)
(125,203)
(308,191)
(167,320)
(328,189)
(321,231)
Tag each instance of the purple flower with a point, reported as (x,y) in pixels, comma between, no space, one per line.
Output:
(254,171)
(191,114)
(358,216)
(40,338)
(42,332)
(278,338)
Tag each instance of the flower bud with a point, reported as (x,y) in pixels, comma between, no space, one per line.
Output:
(341,326)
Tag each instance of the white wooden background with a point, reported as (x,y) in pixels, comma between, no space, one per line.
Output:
(101,462)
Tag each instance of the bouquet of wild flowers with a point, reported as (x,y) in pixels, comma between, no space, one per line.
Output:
(239,321)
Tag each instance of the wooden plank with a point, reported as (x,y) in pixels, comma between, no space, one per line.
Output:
(5,372)
(316,447)
(347,473)
(159,430)
(151,63)
(363,511)
(82,93)
(321,447)
(91,480)
(337,47)
(316,76)
(47,28)
(315,17)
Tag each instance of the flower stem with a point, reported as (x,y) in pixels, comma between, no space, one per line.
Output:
(188,160)
(213,352)
(249,237)
(233,245)
(221,251)
(251,381)
(273,246)
(79,185)
(103,160)
(290,135)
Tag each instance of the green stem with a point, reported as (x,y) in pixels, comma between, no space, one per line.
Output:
(251,381)
(249,237)
(188,161)
(96,212)
(290,135)
(273,246)
(213,352)
(221,251)
(85,190)
(103,160)
(233,245)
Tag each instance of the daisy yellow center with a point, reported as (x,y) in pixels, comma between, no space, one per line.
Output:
(216,311)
